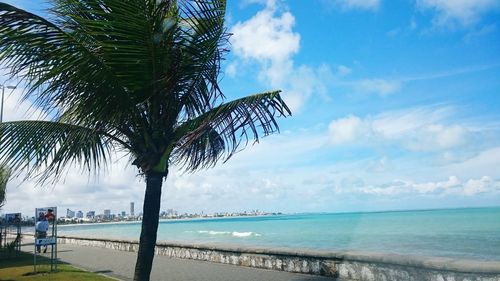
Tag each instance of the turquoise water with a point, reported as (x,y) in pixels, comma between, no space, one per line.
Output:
(457,233)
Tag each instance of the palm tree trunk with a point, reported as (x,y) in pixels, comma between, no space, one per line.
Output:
(150,217)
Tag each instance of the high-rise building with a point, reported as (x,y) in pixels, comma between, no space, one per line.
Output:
(69,213)
(131,209)
(79,214)
(171,213)
(107,214)
(90,214)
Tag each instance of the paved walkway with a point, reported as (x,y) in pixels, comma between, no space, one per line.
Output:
(120,264)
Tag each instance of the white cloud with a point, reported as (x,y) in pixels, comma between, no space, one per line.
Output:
(452,186)
(486,162)
(462,12)
(380,87)
(421,129)
(232,69)
(379,165)
(258,177)
(482,31)
(343,70)
(451,72)
(269,40)
(417,129)
(302,82)
(482,185)
(267,3)
(113,189)
(269,189)
(394,188)
(266,176)
(394,124)
(430,187)
(347,129)
(282,173)
(437,135)
(15,109)
(266,37)
(357,4)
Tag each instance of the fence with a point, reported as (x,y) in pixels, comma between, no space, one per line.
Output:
(10,239)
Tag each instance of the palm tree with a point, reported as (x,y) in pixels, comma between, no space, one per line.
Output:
(140,76)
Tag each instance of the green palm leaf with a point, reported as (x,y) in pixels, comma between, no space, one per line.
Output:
(61,67)
(204,47)
(35,146)
(137,75)
(205,139)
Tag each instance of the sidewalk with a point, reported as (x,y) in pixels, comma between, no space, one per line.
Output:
(120,264)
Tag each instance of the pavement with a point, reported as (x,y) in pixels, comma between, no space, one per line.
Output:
(120,265)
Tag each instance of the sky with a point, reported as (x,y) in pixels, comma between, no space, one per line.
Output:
(395,106)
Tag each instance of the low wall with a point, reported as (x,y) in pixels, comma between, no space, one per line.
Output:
(341,266)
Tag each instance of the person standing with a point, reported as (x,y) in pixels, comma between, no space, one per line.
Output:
(41,228)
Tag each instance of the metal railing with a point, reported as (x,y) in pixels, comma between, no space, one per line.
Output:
(10,239)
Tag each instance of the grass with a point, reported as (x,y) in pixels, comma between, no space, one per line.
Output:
(19,266)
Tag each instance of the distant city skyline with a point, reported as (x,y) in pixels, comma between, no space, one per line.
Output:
(106,213)
(395,106)
(92,212)
(109,216)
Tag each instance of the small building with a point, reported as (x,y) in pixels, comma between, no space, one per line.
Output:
(90,214)
(79,214)
(107,214)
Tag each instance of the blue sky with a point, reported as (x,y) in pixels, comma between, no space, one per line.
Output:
(395,106)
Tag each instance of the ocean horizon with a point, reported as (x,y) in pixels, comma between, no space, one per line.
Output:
(464,233)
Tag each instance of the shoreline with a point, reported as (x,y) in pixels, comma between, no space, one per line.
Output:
(167,220)
(288,214)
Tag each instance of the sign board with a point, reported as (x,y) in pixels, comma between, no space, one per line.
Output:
(14,218)
(45,241)
(10,231)
(46,235)
(47,213)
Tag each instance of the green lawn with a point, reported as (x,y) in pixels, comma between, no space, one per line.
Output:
(20,267)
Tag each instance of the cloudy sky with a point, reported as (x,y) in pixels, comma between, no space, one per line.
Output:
(395,106)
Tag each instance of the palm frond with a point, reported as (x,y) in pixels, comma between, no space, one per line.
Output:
(51,147)
(140,73)
(204,42)
(4,177)
(117,31)
(203,141)
(63,66)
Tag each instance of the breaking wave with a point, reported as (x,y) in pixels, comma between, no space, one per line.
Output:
(229,233)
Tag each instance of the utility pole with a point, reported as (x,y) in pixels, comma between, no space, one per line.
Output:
(3,92)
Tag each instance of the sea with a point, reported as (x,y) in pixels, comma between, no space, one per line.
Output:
(472,233)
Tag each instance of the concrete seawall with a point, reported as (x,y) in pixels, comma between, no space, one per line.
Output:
(340,265)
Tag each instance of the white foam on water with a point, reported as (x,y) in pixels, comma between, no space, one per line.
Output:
(234,233)
(245,234)
(211,232)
